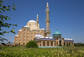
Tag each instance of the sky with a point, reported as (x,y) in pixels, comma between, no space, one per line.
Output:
(67,16)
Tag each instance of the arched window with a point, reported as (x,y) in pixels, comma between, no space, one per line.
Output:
(40,44)
(64,43)
(55,43)
(60,43)
(47,43)
(23,43)
(43,43)
(18,43)
(51,43)
(29,24)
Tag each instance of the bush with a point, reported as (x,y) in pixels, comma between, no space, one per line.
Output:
(78,44)
(32,44)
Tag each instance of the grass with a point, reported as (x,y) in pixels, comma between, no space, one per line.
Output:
(41,52)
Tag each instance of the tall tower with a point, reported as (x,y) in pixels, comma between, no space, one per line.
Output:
(37,19)
(47,21)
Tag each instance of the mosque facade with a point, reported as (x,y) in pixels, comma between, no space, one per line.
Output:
(32,31)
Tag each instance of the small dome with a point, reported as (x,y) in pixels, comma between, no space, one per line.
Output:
(26,26)
(20,30)
(31,21)
(16,35)
(39,36)
(57,32)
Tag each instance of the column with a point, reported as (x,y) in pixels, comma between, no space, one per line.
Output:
(38,43)
(62,42)
(49,43)
(45,43)
(58,43)
(41,43)
(65,43)
(53,43)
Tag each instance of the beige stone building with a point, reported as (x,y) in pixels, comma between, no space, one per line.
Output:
(56,40)
(32,31)
(28,32)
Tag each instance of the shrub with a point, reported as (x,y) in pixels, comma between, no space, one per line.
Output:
(32,44)
(78,44)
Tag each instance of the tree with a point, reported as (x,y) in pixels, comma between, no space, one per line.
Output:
(78,44)
(4,8)
(32,44)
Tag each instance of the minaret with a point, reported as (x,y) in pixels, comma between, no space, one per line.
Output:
(37,21)
(47,20)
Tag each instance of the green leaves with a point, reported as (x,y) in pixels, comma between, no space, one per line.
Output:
(14,24)
(1,1)
(5,32)
(32,44)
(13,31)
(14,7)
(3,17)
(1,33)
(4,8)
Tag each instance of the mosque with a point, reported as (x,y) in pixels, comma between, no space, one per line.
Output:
(32,31)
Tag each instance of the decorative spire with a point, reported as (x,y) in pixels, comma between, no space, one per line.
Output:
(37,19)
(47,4)
(37,16)
(47,7)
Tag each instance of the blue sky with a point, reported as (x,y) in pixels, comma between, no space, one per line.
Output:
(67,16)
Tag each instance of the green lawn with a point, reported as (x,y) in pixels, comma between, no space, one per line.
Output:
(41,52)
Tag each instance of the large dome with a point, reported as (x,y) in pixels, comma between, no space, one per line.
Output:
(33,25)
(31,21)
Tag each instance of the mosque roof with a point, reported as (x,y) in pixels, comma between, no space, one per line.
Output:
(31,21)
(69,40)
(39,36)
(45,39)
(37,39)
